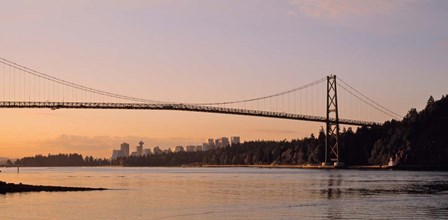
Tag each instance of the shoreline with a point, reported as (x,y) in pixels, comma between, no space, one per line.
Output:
(353,167)
(285,166)
(367,167)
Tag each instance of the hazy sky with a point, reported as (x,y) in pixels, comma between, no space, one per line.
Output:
(396,52)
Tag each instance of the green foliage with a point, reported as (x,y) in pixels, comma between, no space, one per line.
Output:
(420,139)
(9,163)
(60,160)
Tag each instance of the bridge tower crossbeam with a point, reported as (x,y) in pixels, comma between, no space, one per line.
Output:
(332,124)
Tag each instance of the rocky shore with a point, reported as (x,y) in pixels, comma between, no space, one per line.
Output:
(15,188)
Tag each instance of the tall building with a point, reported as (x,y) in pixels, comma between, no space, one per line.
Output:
(157,151)
(178,149)
(205,147)
(191,148)
(125,149)
(211,143)
(140,148)
(235,140)
(218,143)
(146,152)
(117,153)
(199,148)
(225,142)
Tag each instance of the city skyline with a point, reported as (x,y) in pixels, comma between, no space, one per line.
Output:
(166,50)
(140,150)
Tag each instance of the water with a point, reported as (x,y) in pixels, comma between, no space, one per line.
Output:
(227,193)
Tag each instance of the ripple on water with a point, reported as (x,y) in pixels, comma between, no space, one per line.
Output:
(231,193)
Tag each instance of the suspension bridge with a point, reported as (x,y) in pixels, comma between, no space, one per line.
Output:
(329,100)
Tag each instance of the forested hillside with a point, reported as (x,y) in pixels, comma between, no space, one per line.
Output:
(419,139)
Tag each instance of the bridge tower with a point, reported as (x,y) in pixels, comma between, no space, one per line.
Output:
(332,124)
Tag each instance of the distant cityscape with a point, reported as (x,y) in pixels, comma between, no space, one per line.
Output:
(209,144)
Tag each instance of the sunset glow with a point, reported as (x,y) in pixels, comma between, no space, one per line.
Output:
(207,51)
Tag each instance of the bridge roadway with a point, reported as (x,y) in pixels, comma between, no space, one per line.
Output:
(178,107)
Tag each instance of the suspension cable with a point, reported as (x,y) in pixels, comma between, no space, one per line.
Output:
(367,102)
(265,97)
(73,85)
(379,105)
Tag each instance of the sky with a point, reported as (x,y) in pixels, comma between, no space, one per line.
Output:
(396,52)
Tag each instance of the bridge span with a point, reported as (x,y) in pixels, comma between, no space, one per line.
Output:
(180,107)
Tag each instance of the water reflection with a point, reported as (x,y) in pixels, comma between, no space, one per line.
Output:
(333,190)
(424,188)
(233,193)
(333,193)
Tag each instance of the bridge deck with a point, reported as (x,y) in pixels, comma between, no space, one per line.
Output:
(177,107)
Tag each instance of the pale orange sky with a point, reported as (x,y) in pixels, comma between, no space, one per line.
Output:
(204,51)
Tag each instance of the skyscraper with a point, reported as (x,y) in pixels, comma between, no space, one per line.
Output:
(140,148)
(211,143)
(146,152)
(191,148)
(125,149)
(117,153)
(179,149)
(205,147)
(225,142)
(235,140)
(157,151)
(218,143)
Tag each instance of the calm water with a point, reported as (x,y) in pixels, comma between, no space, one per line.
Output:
(227,193)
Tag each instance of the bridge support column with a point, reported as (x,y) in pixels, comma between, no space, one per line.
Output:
(332,124)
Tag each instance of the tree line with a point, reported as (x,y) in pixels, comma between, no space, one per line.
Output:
(59,160)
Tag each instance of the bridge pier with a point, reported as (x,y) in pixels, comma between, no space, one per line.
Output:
(333,164)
